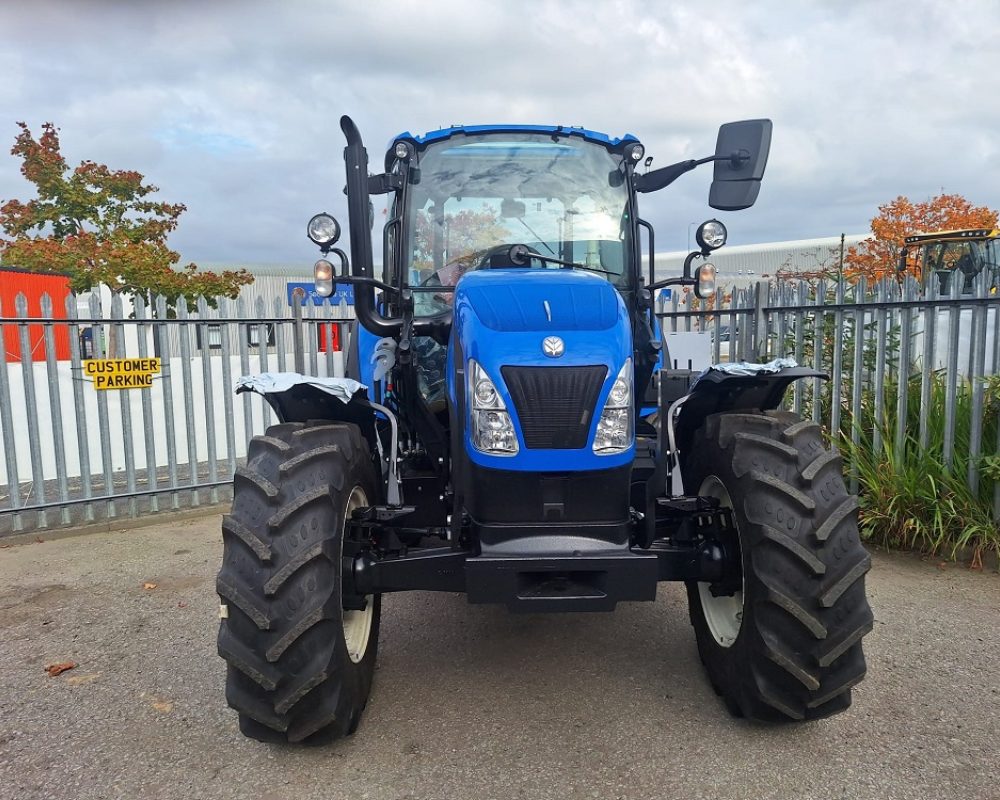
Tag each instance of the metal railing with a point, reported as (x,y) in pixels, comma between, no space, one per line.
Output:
(883,346)
(73,455)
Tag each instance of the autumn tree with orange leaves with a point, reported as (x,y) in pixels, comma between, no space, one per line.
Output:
(878,256)
(99,226)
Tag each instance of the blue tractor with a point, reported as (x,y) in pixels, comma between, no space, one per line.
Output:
(510,428)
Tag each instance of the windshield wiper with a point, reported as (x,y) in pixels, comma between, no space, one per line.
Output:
(537,237)
(520,255)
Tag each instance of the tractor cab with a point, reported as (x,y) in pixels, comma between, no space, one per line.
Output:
(963,255)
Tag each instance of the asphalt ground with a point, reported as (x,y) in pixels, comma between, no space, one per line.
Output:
(471,702)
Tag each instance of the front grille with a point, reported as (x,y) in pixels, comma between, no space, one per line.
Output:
(555,405)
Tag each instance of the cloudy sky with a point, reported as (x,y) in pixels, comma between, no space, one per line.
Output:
(233,108)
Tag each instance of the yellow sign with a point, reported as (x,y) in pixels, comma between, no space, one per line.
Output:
(122,373)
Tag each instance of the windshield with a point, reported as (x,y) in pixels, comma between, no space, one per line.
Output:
(966,258)
(477,195)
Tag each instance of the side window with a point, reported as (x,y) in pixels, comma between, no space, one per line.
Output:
(390,245)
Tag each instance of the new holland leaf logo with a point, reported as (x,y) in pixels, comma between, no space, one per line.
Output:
(553,346)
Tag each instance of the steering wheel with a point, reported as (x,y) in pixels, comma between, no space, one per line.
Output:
(502,249)
(968,266)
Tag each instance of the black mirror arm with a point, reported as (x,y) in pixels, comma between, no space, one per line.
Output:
(359,280)
(685,279)
(672,282)
(664,176)
(384,183)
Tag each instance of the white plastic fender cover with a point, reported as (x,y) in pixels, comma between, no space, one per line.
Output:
(274,382)
(746,368)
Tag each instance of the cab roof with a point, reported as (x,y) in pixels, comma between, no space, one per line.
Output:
(966,234)
(469,130)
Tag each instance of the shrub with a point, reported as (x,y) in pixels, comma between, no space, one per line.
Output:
(910,498)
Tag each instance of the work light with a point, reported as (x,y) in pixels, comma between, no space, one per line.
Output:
(635,152)
(711,235)
(323,229)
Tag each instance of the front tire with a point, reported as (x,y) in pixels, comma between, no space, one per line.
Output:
(300,666)
(787,646)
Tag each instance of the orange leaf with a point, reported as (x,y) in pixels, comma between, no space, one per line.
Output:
(149,585)
(59,668)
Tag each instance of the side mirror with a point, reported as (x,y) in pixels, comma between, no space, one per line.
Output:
(512,209)
(741,155)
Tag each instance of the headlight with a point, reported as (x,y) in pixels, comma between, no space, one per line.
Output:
(614,428)
(323,229)
(711,235)
(491,427)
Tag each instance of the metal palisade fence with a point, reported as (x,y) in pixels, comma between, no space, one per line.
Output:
(115,412)
(909,365)
(906,365)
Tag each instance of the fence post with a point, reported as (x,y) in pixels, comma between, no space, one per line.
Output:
(139,307)
(103,422)
(977,357)
(860,295)
(312,339)
(838,360)
(31,406)
(903,373)
(7,428)
(298,336)
(124,403)
(78,379)
(189,412)
(243,335)
(227,386)
(164,349)
(55,407)
(279,335)
(262,352)
(760,322)
(951,388)
(208,396)
(819,324)
(328,334)
(800,321)
(881,297)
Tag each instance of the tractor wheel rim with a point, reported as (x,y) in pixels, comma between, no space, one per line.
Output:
(357,624)
(724,615)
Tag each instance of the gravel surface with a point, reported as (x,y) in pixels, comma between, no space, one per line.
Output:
(471,702)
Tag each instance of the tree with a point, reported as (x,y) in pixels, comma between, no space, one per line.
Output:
(878,255)
(466,235)
(99,226)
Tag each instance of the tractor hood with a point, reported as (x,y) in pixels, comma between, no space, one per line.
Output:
(539,299)
(553,342)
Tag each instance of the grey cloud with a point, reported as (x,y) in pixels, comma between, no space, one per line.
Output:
(232,108)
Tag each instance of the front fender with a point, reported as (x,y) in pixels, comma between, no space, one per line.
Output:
(717,390)
(303,398)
